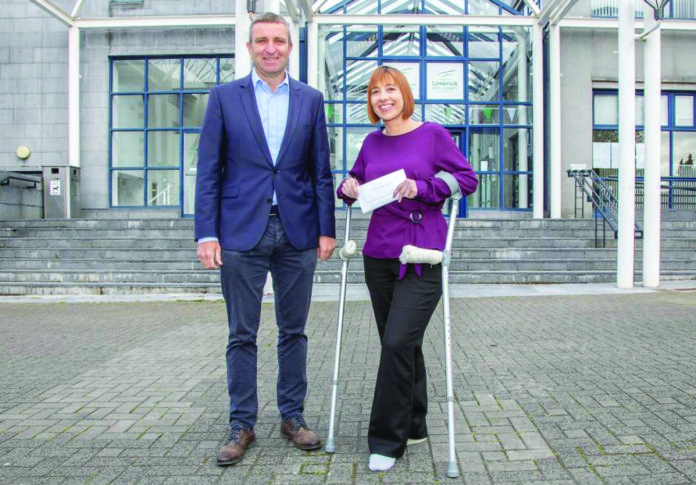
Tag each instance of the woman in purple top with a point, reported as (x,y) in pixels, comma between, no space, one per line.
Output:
(403,297)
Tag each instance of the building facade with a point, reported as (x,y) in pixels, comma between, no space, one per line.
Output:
(117,89)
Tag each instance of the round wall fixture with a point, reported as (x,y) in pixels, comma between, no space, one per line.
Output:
(23,152)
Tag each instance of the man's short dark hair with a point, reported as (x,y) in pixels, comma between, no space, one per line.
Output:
(272,18)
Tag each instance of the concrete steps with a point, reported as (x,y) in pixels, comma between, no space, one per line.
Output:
(150,256)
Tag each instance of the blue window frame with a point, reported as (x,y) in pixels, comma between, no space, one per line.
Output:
(491,110)
(156,108)
(678,140)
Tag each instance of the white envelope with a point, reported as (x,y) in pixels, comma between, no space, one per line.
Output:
(380,191)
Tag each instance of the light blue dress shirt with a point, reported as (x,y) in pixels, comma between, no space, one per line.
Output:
(273,109)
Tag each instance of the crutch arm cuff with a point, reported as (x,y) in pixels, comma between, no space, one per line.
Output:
(451,182)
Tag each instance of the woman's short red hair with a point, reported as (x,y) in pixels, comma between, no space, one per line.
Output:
(390,75)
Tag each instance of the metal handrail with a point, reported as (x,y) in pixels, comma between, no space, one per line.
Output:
(605,203)
(164,192)
(19,177)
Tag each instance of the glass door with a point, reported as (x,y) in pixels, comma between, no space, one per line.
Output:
(190,163)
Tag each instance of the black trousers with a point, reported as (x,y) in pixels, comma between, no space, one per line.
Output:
(402,309)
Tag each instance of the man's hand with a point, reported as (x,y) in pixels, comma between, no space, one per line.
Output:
(326,247)
(209,254)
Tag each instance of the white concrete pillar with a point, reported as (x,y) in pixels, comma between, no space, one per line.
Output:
(652,62)
(627,144)
(538,122)
(242,60)
(73,97)
(73,111)
(555,121)
(312,54)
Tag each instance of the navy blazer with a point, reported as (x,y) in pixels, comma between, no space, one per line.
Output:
(236,177)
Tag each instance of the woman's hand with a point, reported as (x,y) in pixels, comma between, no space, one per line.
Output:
(406,189)
(350,188)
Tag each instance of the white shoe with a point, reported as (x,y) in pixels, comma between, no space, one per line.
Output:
(380,463)
(415,441)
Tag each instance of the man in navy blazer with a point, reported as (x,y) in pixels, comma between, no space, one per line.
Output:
(265,202)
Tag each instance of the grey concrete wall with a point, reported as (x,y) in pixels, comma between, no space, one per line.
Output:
(590,59)
(34,79)
(33,86)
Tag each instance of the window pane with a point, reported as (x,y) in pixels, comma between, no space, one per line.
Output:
(190,165)
(331,45)
(401,40)
(334,113)
(357,114)
(127,187)
(194,109)
(517,115)
(664,156)
(164,75)
(517,191)
(487,193)
(127,112)
(664,117)
(200,73)
(483,80)
(361,7)
(162,187)
(483,151)
(354,140)
(336,148)
(361,41)
(484,43)
(163,149)
(484,114)
(447,8)
(684,110)
(446,114)
(357,76)
(163,111)
(684,149)
(606,109)
(129,75)
(444,41)
(517,81)
(482,7)
(640,110)
(445,80)
(605,149)
(226,69)
(127,149)
(517,150)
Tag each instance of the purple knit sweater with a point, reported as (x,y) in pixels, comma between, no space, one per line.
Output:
(422,153)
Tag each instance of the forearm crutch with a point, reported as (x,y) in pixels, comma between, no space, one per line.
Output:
(346,253)
(412,254)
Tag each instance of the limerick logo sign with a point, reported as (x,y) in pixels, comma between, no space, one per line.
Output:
(445,81)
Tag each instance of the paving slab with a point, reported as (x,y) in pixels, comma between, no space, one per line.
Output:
(589,384)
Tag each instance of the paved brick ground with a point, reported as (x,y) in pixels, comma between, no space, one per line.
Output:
(594,389)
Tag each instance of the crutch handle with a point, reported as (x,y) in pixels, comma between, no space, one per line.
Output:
(348,250)
(416,255)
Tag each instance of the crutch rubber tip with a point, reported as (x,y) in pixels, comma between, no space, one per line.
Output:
(452,470)
(330,445)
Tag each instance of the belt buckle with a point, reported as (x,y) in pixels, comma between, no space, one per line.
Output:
(415,217)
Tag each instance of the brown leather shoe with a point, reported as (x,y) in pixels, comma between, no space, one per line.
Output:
(233,451)
(302,437)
